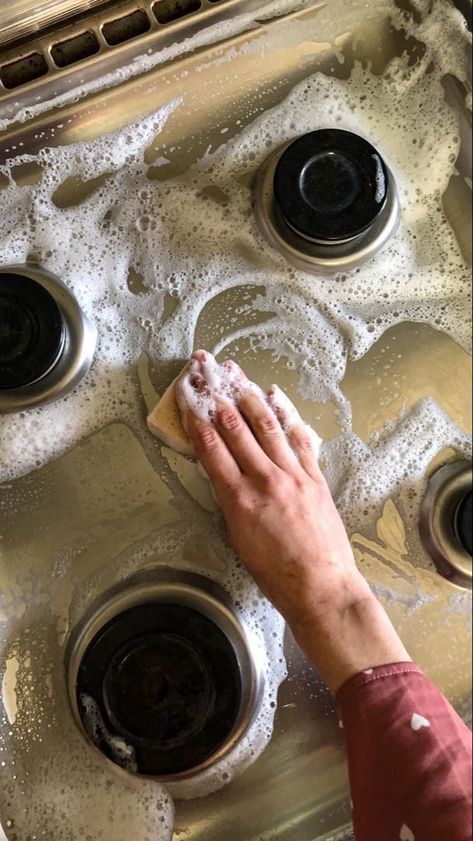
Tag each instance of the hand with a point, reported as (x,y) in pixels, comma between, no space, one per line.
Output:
(262,462)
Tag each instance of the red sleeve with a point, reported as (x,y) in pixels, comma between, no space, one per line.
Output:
(409,757)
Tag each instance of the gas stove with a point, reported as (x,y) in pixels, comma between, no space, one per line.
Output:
(288,185)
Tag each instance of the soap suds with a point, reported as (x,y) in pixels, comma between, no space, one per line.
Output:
(204,245)
(209,384)
(121,753)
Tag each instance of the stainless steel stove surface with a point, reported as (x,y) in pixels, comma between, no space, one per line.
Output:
(90,502)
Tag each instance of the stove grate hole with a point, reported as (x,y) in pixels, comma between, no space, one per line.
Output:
(74,49)
(125,28)
(169,10)
(26,69)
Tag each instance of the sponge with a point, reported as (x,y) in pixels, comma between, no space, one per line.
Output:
(165,421)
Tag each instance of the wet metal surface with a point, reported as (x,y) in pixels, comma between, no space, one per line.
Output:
(97,504)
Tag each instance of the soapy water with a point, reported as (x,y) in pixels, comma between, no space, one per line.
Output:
(193,248)
(184,244)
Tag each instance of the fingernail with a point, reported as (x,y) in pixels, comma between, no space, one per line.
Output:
(195,381)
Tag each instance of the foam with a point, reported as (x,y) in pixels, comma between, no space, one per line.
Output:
(208,383)
(122,753)
(206,246)
(316,323)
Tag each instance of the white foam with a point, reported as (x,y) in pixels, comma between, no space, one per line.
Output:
(122,753)
(55,785)
(204,246)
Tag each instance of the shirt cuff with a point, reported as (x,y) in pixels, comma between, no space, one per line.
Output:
(376,673)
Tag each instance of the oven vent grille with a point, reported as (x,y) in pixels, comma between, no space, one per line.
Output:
(98,34)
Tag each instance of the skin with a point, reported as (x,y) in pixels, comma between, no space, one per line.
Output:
(284,525)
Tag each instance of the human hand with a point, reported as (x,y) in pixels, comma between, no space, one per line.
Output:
(262,462)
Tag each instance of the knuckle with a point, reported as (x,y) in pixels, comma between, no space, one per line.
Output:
(268,479)
(246,503)
(207,437)
(229,418)
(303,440)
(230,487)
(268,423)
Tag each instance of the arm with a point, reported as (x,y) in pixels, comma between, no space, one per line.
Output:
(409,757)
(284,525)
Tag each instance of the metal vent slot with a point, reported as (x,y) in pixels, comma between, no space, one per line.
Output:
(25,70)
(123,29)
(132,23)
(74,49)
(169,10)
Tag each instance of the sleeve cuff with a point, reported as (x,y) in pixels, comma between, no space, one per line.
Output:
(376,673)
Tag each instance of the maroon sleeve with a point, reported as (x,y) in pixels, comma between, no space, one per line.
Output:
(409,757)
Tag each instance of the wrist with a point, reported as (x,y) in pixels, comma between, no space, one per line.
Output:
(350,634)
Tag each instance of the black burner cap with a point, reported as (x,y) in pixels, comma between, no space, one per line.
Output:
(330,185)
(164,680)
(464,522)
(32,331)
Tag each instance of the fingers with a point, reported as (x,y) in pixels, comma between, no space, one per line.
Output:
(306,444)
(211,390)
(241,442)
(213,454)
(285,411)
(302,438)
(267,430)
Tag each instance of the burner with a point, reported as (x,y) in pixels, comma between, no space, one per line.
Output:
(326,200)
(330,185)
(446,521)
(32,331)
(165,679)
(46,342)
(161,676)
(464,522)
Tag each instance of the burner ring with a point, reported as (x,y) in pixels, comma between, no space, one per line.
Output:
(40,362)
(445,524)
(323,235)
(32,331)
(161,677)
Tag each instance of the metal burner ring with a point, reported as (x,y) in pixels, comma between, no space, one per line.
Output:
(163,676)
(76,350)
(443,506)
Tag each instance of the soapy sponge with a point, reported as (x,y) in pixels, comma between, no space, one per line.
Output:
(165,421)
(202,385)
